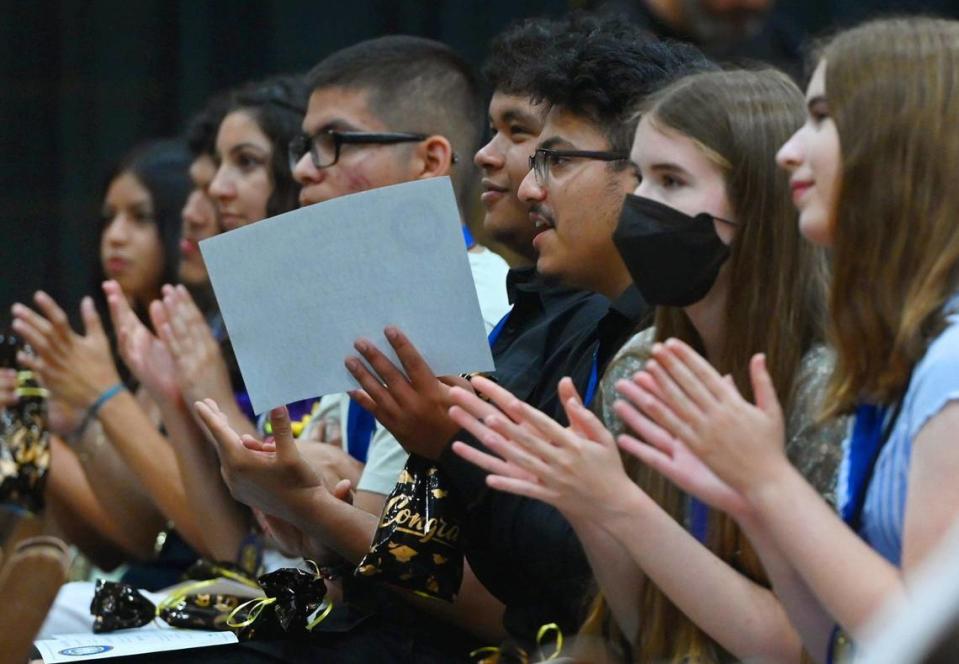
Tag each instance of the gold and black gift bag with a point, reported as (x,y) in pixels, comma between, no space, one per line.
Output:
(417,544)
(24,439)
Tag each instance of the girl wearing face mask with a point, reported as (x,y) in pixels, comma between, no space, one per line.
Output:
(873,175)
(710,237)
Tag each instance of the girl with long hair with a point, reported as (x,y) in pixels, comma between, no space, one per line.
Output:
(710,238)
(252,180)
(96,407)
(872,174)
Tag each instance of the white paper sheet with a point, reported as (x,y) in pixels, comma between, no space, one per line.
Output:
(298,289)
(86,647)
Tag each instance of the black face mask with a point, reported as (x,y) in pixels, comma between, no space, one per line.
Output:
(673,258)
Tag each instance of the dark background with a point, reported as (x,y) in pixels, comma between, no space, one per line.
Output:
(81,81)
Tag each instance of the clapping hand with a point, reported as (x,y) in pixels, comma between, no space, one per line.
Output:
(268,475)
(577,469)
(76,368)
(695,427)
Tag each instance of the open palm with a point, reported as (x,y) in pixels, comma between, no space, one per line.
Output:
(670,457)
(144,354)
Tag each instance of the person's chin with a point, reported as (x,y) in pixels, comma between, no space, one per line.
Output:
(193,275)
(549,267)
(504,231)
(815,227)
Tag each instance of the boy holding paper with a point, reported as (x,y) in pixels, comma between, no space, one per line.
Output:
(523,550)
(381,112)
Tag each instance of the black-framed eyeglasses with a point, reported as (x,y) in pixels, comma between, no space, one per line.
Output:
(541,161)
(324,147)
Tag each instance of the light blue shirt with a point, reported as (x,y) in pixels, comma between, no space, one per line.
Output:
(934,384)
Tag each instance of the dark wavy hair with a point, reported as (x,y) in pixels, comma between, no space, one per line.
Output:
(277,105)
(603,68)
(202,127)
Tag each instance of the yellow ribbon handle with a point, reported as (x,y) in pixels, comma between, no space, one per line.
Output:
(543,632)
(258,605)
(233,576)
(320,617)
(492,651)
(490,654)
(324,613)
(175,598)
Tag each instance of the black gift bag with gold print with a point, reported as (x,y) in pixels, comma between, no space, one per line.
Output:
(417,544)
(24,439)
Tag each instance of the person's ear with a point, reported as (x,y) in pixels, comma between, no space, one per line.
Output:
(434,157)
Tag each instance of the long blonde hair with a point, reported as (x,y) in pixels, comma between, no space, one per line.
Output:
(777,294)
(892,88)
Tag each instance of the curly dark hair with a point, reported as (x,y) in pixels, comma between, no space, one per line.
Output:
(277,105)
(602,69)
(520,47)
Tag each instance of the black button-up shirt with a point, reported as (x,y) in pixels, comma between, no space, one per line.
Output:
(523,550)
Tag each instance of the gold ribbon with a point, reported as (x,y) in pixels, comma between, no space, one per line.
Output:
(175,598)
(24,390)
(320,617)
(540,636)
(485,650)
(233,576)
(259,604)
(32,392)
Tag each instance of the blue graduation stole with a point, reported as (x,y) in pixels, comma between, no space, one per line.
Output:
(864,448)
(360,424)
(593,374)
(868,437)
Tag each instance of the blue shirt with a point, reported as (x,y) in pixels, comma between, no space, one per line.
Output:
(934,384)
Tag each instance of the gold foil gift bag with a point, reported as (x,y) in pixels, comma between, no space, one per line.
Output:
(417,544)
(24,439)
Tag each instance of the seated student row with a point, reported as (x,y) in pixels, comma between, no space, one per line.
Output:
(657,387)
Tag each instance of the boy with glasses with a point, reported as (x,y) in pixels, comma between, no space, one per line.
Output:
(381,112)
(590,81)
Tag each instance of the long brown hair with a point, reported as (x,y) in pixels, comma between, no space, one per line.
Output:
(777,294)
(893,92)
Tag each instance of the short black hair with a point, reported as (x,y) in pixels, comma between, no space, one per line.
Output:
(414,84)
(201,129)
(277,105)
(603,68)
